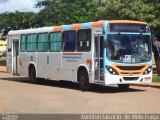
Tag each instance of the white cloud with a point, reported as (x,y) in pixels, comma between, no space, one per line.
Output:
(19,5)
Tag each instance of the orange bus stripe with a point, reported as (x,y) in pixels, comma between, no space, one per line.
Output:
(126,21)
(97,24)
(72,53)
(76,26)
(57,28)
(89,62)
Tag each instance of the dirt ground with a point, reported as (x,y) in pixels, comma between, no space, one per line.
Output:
(18,95)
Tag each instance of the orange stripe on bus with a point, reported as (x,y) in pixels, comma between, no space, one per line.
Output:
(72,53)
(57,28)
(97,24)
(126,21)
(76,26)
(89,62)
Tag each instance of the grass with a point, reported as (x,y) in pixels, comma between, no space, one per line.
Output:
(2,61)
(156,79)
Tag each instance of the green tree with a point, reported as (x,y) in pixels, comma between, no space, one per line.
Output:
(17,20)
(57,12)
(143,10)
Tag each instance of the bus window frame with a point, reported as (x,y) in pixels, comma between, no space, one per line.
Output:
(23,43)
(90,40)
(55,41)
(63,45)
(31,42)
(42,42)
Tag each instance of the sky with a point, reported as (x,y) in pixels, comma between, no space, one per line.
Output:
(19,5)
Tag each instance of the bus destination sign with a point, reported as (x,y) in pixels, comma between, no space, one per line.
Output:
(128,28)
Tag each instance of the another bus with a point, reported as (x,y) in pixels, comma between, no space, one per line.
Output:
(103,52)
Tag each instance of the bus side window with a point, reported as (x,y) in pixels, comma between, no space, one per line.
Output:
(69,41)
(42,42)
(23,43)
(55,42)
(31,42)
(84,40)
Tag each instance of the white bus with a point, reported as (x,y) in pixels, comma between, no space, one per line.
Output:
(102,52)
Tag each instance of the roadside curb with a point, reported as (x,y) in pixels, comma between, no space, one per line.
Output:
(147,85)
(3,71)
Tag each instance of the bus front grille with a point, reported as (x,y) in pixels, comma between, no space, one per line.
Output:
(130,78)
(130,67)
(130,73)
(130,70)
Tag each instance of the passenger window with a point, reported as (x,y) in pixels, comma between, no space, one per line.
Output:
(84,40)
(31,42)
(42,42)
(69,41)
(23,43)
(55,42)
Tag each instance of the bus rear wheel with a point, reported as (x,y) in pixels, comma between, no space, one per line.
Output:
(83,80)
(123,86)
(32,75)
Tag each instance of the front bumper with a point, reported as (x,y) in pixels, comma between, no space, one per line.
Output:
(119,79)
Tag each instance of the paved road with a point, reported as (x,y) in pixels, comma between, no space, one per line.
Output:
(18,95)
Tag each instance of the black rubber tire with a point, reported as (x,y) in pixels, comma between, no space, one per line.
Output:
(41,81)
(32,75)
(83,80)
(123,86)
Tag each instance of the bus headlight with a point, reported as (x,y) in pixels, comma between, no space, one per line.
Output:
(147,71)
(111,70)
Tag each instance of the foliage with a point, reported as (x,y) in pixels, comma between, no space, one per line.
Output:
(57,12)
(17,20)
(143,10)
(2,61)
(156,79)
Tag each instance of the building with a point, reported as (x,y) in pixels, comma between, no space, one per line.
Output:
(3,45)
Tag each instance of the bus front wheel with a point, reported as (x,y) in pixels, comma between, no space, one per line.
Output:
(32,75)
(123,86)
(83,80)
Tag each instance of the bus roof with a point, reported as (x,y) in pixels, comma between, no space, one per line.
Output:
(31,30)
(72,26)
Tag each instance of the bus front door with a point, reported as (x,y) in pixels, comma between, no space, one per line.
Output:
(98,58)
(9,54)
(15,56)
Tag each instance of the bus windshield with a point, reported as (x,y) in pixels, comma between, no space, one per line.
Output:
(128,48)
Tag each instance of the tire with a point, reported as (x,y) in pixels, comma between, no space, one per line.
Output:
(32,75)
(83,80)
(123,86)
(41,81)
